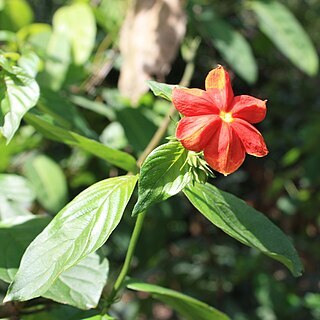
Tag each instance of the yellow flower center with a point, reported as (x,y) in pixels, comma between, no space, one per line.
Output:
(226,116)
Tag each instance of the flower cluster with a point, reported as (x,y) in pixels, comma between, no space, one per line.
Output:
(219,123)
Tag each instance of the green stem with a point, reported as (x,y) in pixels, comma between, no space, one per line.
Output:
(140,219)
(127,262)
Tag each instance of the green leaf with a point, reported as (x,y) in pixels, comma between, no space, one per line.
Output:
(118,158)
(15,15)
(16,195)
(188,307)
(162,90)
(132,120)
(57,62)
(29,62)
(48,180)
(232,45)
(164,173)
(77,23)
(285,31)
(55,104)
(82,285)
(79,229)
(99,317)
(19,93)
(14,240)
(244,223)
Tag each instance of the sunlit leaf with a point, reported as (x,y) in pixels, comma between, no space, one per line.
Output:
(79,229)
(164,173)
(18,93)
(77,23)
(80,286)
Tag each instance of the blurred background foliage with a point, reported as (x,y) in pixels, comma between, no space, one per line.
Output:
(271,49)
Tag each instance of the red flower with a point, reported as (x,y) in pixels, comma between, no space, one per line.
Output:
(218,123)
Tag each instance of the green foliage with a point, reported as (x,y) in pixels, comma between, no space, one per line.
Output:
(279,24)
(48,180)
(81,131)
(16,194)
(244,223)
(76,23)
(121,159)
(15,14)
(164,173)
(188,307)
(19,92)
(230,43)
(79,229)
(162,90)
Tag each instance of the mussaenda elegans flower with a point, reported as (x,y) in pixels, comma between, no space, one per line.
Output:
(219,123)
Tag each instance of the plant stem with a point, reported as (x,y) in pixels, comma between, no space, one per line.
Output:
(127,262)
(140,219)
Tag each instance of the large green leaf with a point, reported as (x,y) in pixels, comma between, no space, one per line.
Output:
(285,31)
(164,173)
(48,180)
(18,93)
(79,229)
(77,23)
(79,286)
(244,223)
(118,158)
(188,307)
(231,44)
(16,195)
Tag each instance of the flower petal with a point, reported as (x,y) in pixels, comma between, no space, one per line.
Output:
(251,138)
(219,88)
(193,102)
(195,132)
(225,152)
(249,108)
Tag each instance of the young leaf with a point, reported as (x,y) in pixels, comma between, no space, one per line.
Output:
(78,229)
(77,23)
(164,173)
(231,44)
(188,307)
(18,94)
(162,90)
(118,158)
(48,180)
(285,31)
(244,223)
